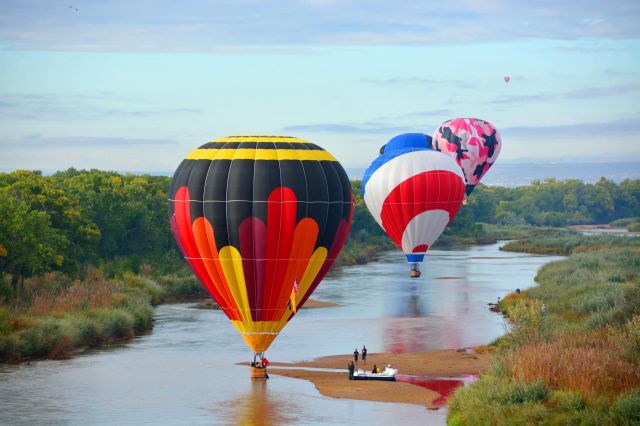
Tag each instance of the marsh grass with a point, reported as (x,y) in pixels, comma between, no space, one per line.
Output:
(60,315)
(584,348)
(593,364)
(624,221)
(565,244)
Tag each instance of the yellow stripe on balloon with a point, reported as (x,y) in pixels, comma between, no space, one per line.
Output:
(260,138)
(313,267)
(259,335)
(315,263)
(232,266)
(260,154)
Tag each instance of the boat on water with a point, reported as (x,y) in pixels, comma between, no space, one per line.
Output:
(388,374)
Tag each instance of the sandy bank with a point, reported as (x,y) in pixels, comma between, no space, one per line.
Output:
(447,363)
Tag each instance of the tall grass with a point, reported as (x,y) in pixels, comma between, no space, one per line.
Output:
(624,221)
(60,315)
(591,363)
(583,348)
(566,244)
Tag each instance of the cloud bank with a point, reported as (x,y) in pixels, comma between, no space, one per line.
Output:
(229,26)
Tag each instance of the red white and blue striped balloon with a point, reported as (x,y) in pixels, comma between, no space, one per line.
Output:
(413,192)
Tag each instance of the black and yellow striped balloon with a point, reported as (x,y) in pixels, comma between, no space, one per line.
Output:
(254,214)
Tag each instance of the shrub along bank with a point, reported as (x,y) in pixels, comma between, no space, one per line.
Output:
(59,315)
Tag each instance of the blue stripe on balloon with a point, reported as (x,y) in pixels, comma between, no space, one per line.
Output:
(415,258)
(398,145)
(409,140)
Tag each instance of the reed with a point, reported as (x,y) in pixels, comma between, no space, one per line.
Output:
(60,315)
(583,348)
(591,363)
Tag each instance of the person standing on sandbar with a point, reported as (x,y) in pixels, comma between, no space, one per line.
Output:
(355,355)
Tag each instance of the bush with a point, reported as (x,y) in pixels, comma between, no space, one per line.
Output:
(521,392)
(627,408)
(62,315)
(624,221)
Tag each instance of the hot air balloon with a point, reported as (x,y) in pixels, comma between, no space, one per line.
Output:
(506,79)
(260,220)
(413,192)
(474,144)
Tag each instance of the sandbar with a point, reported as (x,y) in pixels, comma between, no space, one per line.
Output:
(438,363)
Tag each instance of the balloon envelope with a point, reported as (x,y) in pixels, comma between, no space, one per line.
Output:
(413,192)
(507,79)
(473,143)
(252,215)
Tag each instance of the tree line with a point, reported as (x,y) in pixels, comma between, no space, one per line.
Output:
(75,218)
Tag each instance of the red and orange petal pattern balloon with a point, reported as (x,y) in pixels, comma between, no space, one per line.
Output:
(252,215)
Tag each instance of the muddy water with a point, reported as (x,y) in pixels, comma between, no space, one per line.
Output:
(184,372)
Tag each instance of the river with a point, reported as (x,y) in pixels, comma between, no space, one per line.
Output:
(184,372)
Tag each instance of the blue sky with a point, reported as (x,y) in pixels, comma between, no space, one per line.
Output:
(136,85)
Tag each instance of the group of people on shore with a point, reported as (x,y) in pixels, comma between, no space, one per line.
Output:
(351,366)
(356,354)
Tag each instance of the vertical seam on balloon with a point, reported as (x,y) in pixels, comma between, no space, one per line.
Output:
(332,164)
(255,266)
(306,214)
(204,216)
(390,222)
(326,218)
(227,284)
(277,258)
(226,213)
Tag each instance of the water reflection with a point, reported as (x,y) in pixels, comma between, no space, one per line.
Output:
(185,373)
(259,406)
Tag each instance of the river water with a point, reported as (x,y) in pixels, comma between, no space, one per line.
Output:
(184,372)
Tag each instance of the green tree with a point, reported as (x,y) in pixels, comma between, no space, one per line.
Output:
(31,244)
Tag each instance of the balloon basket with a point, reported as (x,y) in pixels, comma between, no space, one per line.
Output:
(415,274)
(258,372)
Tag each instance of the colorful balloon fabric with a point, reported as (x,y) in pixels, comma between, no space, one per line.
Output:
(507,79)
(413,192)
(474,144)
(257,217)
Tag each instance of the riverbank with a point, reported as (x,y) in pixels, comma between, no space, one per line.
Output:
(195,350)
(59,315)
(572,355)
(439,363)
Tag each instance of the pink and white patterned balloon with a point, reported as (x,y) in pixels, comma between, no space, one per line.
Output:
(473,143)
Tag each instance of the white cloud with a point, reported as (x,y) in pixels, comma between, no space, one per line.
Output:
(226,25)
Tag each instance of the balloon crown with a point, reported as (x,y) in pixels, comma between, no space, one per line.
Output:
(407,141)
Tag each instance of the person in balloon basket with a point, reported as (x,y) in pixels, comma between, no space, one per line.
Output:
(264,363)
(364,354)
(375,369)
(355,355)
(351,367)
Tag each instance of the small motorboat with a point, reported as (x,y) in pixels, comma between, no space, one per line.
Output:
(388,374)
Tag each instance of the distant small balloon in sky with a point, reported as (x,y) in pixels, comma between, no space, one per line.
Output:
(506,78)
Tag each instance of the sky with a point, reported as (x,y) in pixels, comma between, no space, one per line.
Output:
(136,85)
